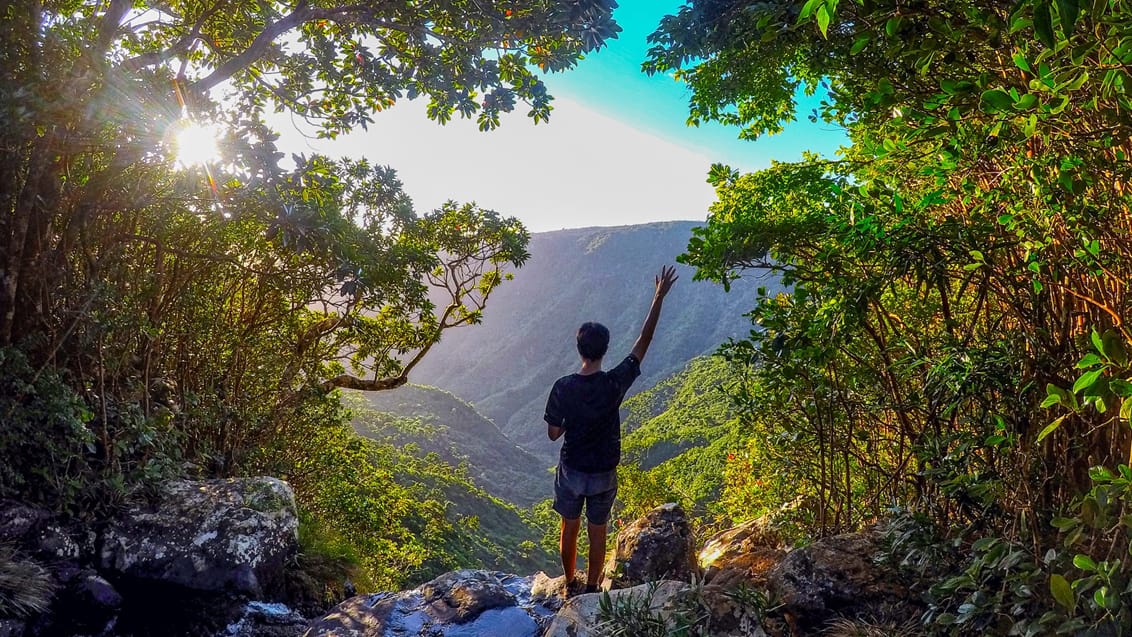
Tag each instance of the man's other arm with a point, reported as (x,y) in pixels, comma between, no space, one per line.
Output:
(554,414)
(664,282)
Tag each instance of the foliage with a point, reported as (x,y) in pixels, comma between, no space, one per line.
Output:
(62,455)
(402,516)
(688,613)
(680,435)
(950,264)
(26,588)
(962,267)
(159,319)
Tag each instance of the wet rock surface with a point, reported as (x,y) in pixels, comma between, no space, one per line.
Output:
(213,535)
(262,619)
(658,546)
(469,603)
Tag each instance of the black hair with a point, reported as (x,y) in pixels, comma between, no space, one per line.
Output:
(593,340)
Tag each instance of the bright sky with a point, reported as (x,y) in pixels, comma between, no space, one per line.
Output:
(616,150)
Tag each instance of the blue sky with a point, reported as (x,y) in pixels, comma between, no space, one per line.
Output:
(616,151)
(611,82)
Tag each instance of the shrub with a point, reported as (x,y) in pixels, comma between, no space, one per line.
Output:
(26,588)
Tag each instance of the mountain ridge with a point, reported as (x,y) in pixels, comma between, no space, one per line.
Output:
(505,365)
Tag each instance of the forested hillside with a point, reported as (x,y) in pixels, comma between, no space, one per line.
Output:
(505,366)
(438,422)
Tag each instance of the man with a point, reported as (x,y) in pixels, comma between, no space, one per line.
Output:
(585,407)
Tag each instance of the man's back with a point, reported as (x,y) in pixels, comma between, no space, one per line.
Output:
(588,406)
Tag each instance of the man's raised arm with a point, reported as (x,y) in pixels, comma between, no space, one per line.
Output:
(664,282)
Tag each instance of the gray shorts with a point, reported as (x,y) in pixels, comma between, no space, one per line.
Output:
(573,488)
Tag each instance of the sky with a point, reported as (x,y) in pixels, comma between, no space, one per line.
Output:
(616,150)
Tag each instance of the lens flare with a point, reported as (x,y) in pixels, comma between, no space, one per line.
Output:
(196,145)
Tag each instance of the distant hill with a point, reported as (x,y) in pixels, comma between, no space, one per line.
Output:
(440,423)
(506,365)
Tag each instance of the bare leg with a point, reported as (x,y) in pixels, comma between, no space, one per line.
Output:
(597,534)
(568,545)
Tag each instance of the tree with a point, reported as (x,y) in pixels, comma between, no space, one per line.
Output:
(226,300)
(953,262)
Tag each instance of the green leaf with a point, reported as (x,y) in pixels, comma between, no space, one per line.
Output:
(1062,592)
(1050,401)
(1089,360)
(823,20)
(1026,102)
(1120,387)
(1102,598)
(1050,428)
(1063,524)
(892,26)
(1068,10)
(1098,342)
(1021,62)
(860,43)
(1043,24)
(1126,409)
(1084,562)
(1086,380)
(994,100)
(1112,346)
(808,9)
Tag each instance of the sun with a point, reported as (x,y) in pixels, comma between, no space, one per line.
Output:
(196,144)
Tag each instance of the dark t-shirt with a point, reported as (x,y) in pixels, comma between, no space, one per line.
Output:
(587,407)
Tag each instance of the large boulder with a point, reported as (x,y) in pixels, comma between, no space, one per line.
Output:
(741,555)
(469,603)
(657,546)
(215,535)
(581,616)
(838,577)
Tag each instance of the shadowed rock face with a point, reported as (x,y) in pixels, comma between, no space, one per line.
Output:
(655,547)
(838,577)
(470,603)
(215,535)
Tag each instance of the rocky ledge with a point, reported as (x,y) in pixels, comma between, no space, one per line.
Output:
(210,558)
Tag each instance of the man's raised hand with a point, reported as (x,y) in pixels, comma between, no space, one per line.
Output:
(665,279)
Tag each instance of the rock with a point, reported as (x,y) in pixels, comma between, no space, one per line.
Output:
(731,615)
(12,628)
(460,596)
(655,547)
(18,521)
(37,533)
(88,604)
(470,603)
(214,535)
(579,616)
(261,619)
(741,555)
(837,576)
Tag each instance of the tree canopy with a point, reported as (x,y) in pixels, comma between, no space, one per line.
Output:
(198,316)
(956,336)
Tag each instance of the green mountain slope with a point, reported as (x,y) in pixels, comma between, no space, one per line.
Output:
(438,422)
(679,434)
(506,365)
(481,530)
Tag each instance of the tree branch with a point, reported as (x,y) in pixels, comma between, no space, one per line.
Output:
(256,49)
